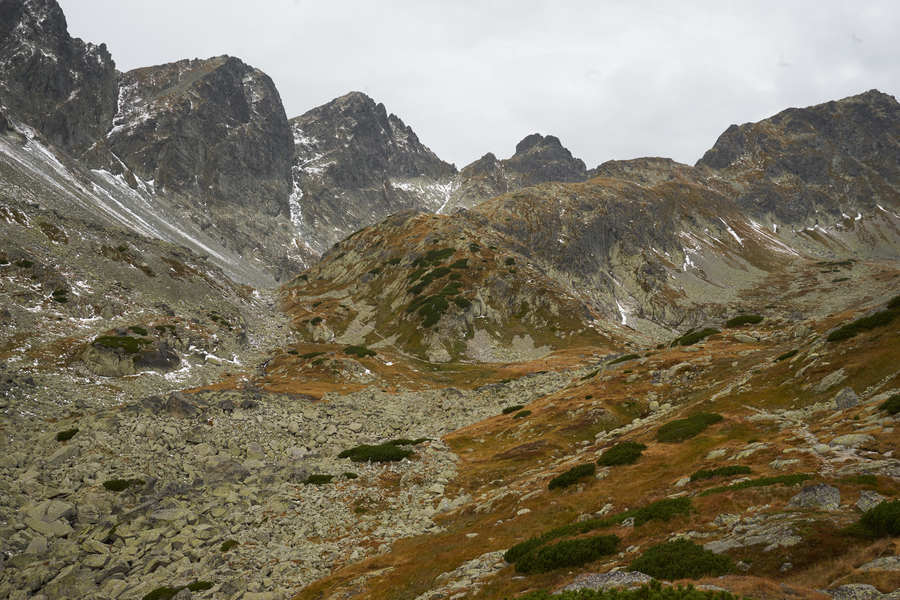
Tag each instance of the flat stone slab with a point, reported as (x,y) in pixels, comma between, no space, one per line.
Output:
(613,579)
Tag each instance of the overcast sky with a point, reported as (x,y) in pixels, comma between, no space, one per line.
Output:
(610,79)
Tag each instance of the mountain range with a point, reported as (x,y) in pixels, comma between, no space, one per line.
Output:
(250,356)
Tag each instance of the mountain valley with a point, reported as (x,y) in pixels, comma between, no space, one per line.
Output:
(249,356)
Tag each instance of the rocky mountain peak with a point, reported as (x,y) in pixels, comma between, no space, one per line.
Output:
(62,86)
(543,158)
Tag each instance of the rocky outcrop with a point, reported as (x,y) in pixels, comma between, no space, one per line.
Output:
(214,128)
(62,86)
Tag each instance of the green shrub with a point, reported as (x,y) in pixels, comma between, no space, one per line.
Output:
(787,355)
(462,263)
(350,475)
(883,520)
(138,330)
(60,295)
(894,303)
(359,351)
(692,337)
(522,414)
(394,261)
(681,559)
(683,429)
(622,359)
(228,545)
(24,263)
(660,510)
(720,472)
(407,441)
(572,476)
(433,257)
(65,436)
(512,409)
(199,586)
(865,479)
(761,482)
(623,453)
(743,320)
(510,261)
(891,405)
(568,553)
(868,323)
(129,344)
(318,479)
(311,355)
(386,452)
(461,302)
(120,485)
(315,321)
(653,591)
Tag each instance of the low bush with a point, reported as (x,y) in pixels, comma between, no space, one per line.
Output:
(786,355)
(386,452)
(512,409)
(433,257)
(883,520)
(65,436)
(359,351)
(894,303)
(865,479)
(138,329)
(660,510)
(720,472)
(120,485)
(522,414)
(622,359)
(879,319)
(394,261)
(461,302)
(681,559)
(692,337)
(740,320)
(350,475)
(311,355)
(510,261)
(623,453)
(761,482)
(318,479)
(130,345)
(653,591)
(228,545)
(60,295)
(891,405)
(683,429)
(569,553)
(462,263)
(572,476)
(407,441)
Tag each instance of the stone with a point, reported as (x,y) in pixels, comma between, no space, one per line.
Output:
(64,455)
(745,339)
(868,500)
(885,563)
(820,497)
(846,398)
(612,579)
(852,440)
(830,380)
(58,528)
(37,545)
(855,591)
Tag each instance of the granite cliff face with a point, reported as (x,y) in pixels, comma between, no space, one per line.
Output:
(61,85)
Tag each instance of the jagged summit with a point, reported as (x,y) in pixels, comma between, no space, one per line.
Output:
(61,85)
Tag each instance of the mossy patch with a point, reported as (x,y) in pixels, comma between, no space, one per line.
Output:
(522,414)
(623,453)
(683,429)
(572,476)
(65,436)
(720,472)
(386,452)
(228,545)
(681,559)
(318,479)
(692,337)
(359,351)
(891,405)
(622,359)
(793,479)
(120,485)
(787,355)
(512,409)
(742,320)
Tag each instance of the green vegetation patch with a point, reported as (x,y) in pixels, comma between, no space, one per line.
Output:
(622,359)
(433,257)
(228,545)
(692,337)
(65,436)
(359,351)
(138,329)
(522,414)
(683,429)
(653,591)
(623,453)
(761,482)
(741,320)
(350,475)
(407,441)
(568,553)
(513,408)
(572,476)
(386,452)
(120,485)
(720,472)
(130,345)
(318,479)
(787,355)
(891,405)
(864,479)
(309,355)
(661,510)
(510,261)
(462,263)
(883,520)
(894,303)
(681,559)
(60,295)
(879,319)
(393,261)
